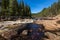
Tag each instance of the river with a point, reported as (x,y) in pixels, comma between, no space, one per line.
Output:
(36,32)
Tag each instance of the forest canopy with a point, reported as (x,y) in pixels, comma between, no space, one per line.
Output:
(12,8)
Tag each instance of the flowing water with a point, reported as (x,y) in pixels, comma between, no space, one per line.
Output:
(36,31)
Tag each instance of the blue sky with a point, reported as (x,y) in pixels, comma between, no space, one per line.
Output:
(38,5)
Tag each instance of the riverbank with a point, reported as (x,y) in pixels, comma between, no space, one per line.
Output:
(53,24)
(25,29)
(52,28)
(10,28)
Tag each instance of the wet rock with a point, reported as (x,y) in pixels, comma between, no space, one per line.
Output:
(8,34)
(11,30)
(57,38)
(50,35)
(46,39)
(58,33)
(25,32)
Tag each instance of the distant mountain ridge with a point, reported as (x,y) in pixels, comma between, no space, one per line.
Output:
(50,11)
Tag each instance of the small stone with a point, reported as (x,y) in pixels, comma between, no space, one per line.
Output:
(25,32)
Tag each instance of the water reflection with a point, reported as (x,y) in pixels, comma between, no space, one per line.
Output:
(36,32)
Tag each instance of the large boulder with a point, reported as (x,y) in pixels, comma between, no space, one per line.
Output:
(52,36)
(11,30)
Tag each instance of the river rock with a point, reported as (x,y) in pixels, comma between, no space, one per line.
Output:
(11,30)
(25,32)
(50,35)
(57,38)
(58,33)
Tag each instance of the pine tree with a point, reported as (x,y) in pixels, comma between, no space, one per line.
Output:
(7,8)
(28,11)
(10,7)
(3,7)
(14,8)
(5,4)
(21,7)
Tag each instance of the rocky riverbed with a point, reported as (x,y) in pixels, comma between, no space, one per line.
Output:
(52,28)
(13,28)
(26,30)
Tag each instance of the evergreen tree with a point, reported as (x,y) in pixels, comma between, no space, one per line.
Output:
(21,7)
(7,8)
(28,11)
(24,10)
(14,8)
(5,4)
(10,7)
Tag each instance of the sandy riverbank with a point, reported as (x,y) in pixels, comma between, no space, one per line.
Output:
(50,24)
